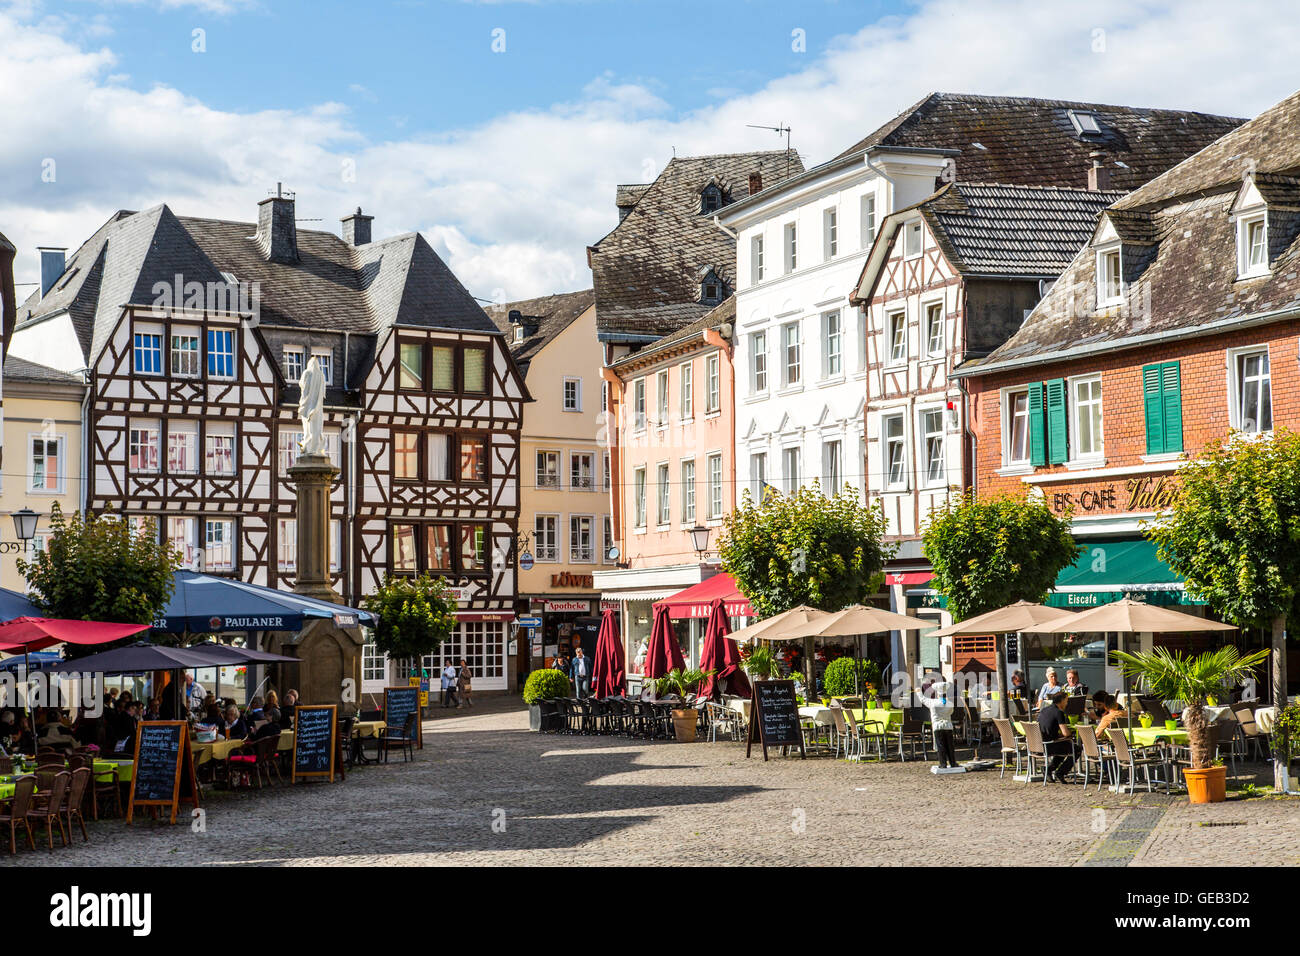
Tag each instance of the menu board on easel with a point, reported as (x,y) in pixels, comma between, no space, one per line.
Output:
(314,744)
(400,703)
(164,767)
(774,717)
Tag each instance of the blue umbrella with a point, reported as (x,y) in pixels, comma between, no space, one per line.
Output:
(36,660)
(13,604)
(205,604)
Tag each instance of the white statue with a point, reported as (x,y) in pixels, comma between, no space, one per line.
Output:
(311,409)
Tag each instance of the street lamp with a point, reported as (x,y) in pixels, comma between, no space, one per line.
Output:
(25,525)
(700,540)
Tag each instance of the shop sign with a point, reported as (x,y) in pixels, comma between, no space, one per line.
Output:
(566,607)
(609,605)
(1147,493)
(566,579)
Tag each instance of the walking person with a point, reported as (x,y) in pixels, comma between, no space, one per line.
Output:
(464,686)
(581,674)
(449,680)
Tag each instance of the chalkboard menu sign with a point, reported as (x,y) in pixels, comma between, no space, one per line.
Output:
(400,703)
(313,741)
(774,717)
(164,767)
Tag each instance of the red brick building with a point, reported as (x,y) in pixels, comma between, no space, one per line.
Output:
(1178,324)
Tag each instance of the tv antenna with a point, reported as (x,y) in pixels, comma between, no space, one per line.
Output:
(778,129)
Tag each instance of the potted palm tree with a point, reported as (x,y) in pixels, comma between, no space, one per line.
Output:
(1192,680)
(758,661)
(682,682)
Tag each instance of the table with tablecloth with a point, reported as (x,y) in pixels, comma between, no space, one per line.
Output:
(821,714)
(125,771)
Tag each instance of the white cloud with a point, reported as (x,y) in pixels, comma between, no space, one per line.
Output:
(513,202)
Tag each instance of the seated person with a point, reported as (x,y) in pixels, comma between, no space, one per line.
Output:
(286,711)
(270,727)
(1057,733)
(1050,688)
(1072,685)
(1114,713)
(52,733)
(233,725)
(254,712)
(213,717)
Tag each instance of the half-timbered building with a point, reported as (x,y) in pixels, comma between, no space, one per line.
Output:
(195,333)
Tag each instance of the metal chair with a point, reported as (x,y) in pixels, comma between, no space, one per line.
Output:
(1227,740)
(1034,749)
(1010,745)
(1250,731)
(1091,754)
(1132,757)
(403,740)
(911,731)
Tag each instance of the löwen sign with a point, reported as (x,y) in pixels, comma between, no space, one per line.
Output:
(1139,494)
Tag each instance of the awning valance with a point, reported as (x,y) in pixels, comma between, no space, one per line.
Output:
(696,600)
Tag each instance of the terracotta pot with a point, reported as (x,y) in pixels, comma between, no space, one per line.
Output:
(684,722)
(1207,786)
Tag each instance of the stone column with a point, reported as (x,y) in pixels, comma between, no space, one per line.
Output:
(330,655)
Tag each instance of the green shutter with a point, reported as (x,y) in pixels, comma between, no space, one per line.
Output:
(1057,430)
(1153,408)
(1172,395)
(1037,437)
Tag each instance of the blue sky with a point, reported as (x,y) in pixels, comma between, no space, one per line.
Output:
(507,162)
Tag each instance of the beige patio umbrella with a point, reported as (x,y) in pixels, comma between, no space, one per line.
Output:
(777,627)
(1129,617)
(1001,621)
(854,621)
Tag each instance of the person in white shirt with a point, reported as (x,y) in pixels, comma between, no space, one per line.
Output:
(939,700)
(449,686)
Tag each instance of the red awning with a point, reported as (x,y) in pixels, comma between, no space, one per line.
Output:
(696,600)
(908,577)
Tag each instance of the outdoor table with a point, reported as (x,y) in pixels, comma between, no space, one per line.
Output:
(1264,718)
(125,769)
(1150,736)
(367,728)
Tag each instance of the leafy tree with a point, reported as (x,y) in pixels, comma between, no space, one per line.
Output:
(992,552)
(100,568)
(988,553)
(415,615)
(805,548)
(1233,535)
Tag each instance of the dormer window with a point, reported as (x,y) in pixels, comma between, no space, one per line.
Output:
(710,199)
(1085,124)
(1252,245)
(1110,276)
(519,333)
(711,291)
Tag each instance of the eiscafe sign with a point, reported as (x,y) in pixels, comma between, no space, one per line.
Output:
(1147,493)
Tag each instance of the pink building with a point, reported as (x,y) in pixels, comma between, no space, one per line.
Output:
(672,439)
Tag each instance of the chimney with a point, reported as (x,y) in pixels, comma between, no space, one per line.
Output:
(276,232)
(356,228)
(52,265)
(8,300)
(1098,175)
(755,182)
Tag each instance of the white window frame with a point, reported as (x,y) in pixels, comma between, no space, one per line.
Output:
(862,338)
(936,315)
(1108,294)
(712,385)
(546,537)
(191,334)
(301,355)
(663,495)
(713,475)
(154,332)
(791,477)
(541,463)
(286,538)
(686,387)
(830,232)
(756,260)
(887,441)
(144,428)
(892,338)
(1236,385)
(577,555)
(832,465)
(1246,222)
(231,542)
(787,381)
(326,358)
(832,344)
(929,435)
(638,404)
(663,382)
(1009,416)
(60,463)
(1075,407)
(867,216)
(757,474)
(638,497)
(687,471)
(574,405)
(790,233)
(758,362)
(576,479)
(606,539)
(913,228)
(183,429)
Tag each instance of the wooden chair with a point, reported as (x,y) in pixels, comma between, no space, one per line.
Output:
(403,740)
(6,766)
(47,806)
(106,789)
(76,799)
(14,811)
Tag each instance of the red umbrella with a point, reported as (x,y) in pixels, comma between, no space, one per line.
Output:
(607,672)
(38,633)
(721,655)
(663,654)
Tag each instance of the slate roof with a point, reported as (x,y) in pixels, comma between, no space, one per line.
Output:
(333,286)
(1019,140)
(547,316)
(715,318)
(645,271)
(21,370)
(991,229)
(1187,283)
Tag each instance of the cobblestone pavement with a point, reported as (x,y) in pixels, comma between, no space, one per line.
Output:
(485,791)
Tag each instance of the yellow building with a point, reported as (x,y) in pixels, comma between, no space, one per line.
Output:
(564,514)
(42,454)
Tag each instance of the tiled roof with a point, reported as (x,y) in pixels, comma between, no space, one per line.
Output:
(332,286)
(1013,230)
(716,318)
(21,370)
(1186,284)
(1008,139)
(645,271)
(547,316)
